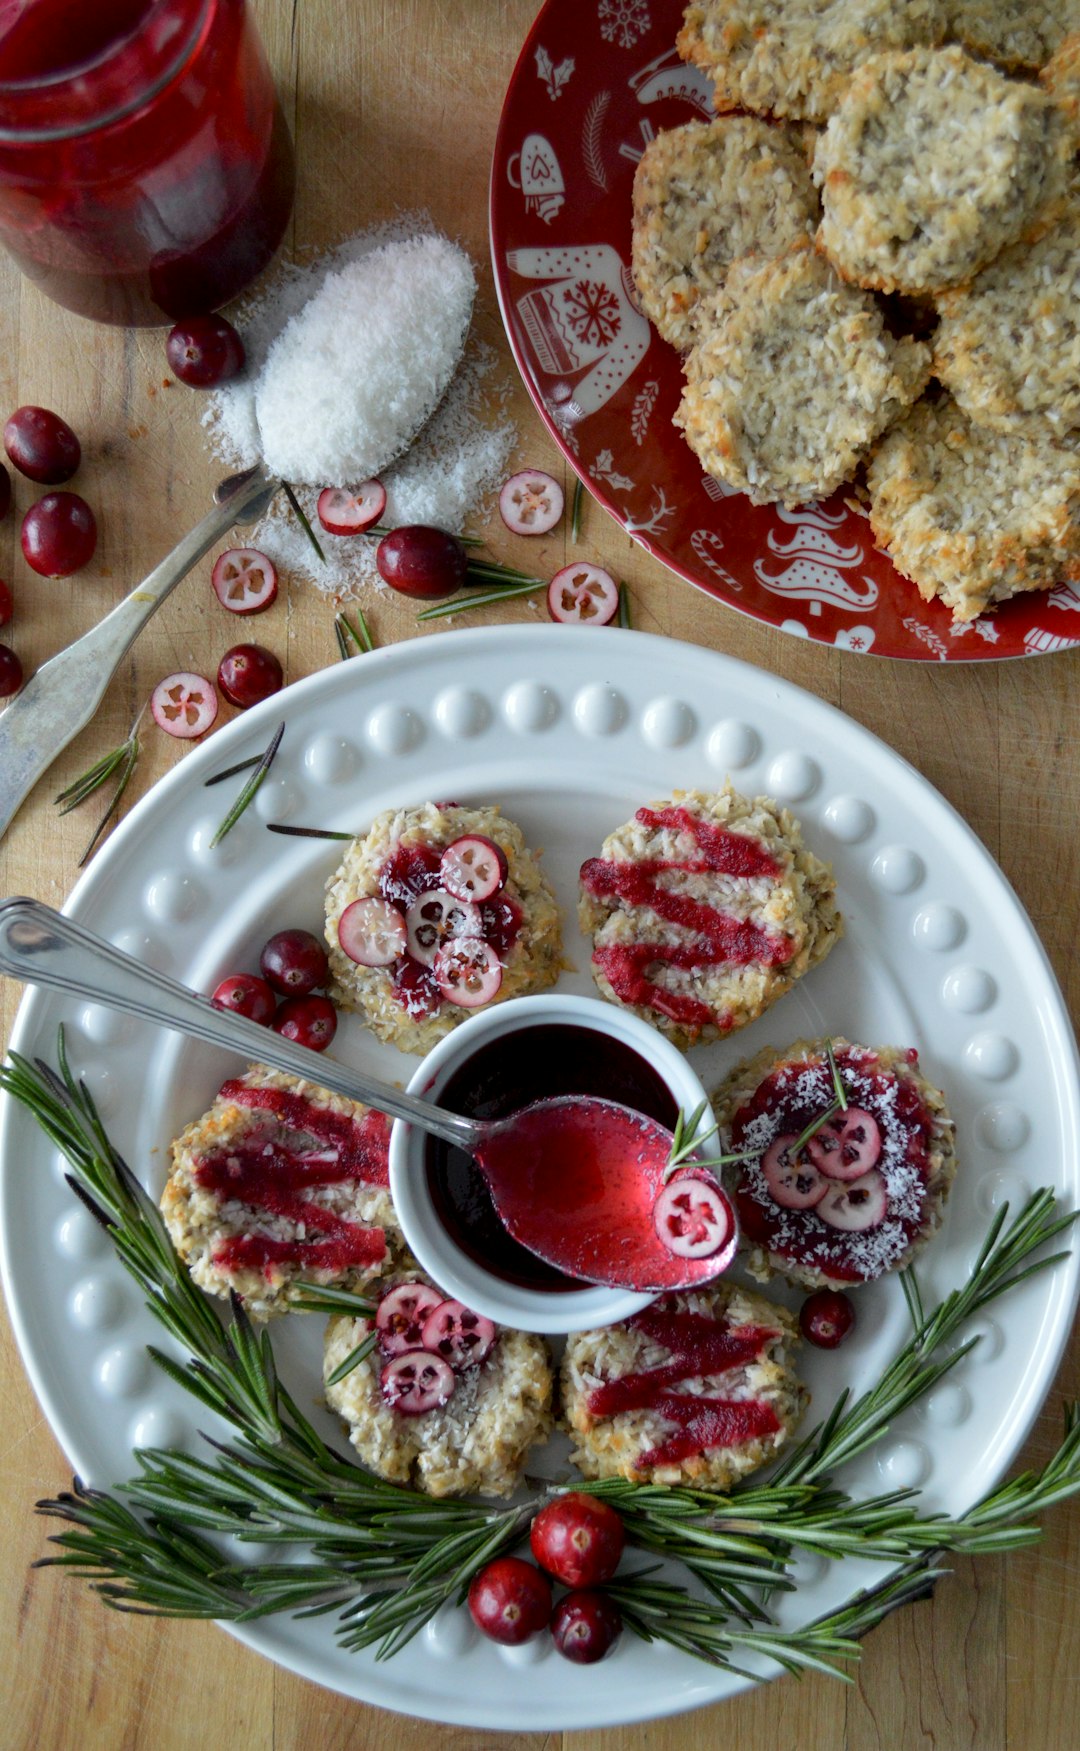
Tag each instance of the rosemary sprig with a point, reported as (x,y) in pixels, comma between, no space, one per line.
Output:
(247,794)
(290,832)
(688,1137)
(302,519)
(119,760)
(346,631)
(464,604)
(841,1092)
(624,608)
(575,509)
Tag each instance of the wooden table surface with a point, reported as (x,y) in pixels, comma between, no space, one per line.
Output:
(394,104)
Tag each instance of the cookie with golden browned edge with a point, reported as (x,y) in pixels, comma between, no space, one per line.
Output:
(1018,34)
(799,376)
(971,515)
(1061,78)
(931,164)
(795,57)
(705,194)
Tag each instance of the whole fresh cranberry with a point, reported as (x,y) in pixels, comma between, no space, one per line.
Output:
(244,994)
(42,445)
(825,1318)
(294,962)
(578,1539)
(59,535)
(585,1626)
(510,1600)
(11,672)
(308,1021)
(419,560)
(204,351)
(248,674)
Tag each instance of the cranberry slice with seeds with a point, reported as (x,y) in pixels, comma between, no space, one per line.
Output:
(531,502)
(245,994)
(692,1216)
(853,1205)
(468,972)
(473,868)
(184,705)
(796,1185)
(399,1319)
(416,1382)
(309,1021)
(457,1334)
(372,932)
(583,595)
(847,1146)
(435,917)
(244,580)
(342,511)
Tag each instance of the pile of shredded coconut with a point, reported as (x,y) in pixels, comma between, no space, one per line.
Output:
(306,405)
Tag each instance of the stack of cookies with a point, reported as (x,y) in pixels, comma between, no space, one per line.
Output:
(874,277)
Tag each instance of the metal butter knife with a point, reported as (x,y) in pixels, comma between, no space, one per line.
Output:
(66,691)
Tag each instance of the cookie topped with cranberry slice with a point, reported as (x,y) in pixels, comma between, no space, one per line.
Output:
(437,911)
(835,1192)
(696,1389)
(703,910)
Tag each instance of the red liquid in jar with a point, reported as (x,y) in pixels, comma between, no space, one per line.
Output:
(146,171)
(502,1077)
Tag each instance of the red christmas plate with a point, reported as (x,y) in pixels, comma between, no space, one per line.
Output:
(596,80)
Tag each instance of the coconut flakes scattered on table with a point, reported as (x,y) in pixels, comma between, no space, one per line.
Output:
(460,456)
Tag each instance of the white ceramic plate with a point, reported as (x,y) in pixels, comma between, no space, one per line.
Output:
(569,730)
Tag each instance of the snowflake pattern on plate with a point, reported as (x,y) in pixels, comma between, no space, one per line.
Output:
(623,21)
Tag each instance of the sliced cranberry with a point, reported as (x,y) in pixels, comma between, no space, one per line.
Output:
(11,672)
(416,1382)
(345,512)
(244,580)
(308,1021)
(468,972)
(372,932)
(204,351)
(578,1539)
(418,560)
(825,1318)
(42,445)
(244,994)
(435,917)
(7,603)
(531,502)
(294,962)
(58,535)
(457,1334)
(399,1319)
(473,868)
(796,1185)
(855,1204)
(693,1218)
(847,1146)
(248,674)
(184,705)
(583,595)
(585,1626)
(510,1600)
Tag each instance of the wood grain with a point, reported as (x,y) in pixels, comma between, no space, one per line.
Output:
(394,107)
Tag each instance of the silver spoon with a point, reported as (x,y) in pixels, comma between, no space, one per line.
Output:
(43,947)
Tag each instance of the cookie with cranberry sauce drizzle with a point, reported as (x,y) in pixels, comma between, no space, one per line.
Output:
(444,1416)
(865,1191)
(281,1181)
(434,912)
(703,910)
(697,1389)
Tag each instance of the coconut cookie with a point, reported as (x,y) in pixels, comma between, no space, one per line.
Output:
(281,1181)
(866,1190)
(1061,77)
(446,1401)
(795,57)
(435,912)
(932,163)
(697,1389)
(975,516)
(703,910)
(1018,33)
(1008,345)
(705,194)
(801,374)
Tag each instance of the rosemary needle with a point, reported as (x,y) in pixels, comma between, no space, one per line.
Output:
(484,599)
(345,631)
(624,607)
(575,513)
(122,783)
(250,787)
(306,832)
(303,520)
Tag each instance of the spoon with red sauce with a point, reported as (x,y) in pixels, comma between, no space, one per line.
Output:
(580,1181)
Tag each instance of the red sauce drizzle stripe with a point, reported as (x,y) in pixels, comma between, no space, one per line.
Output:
(706,1423)
(360,1147)
(259,1172)
(722,940)
(699,1346)
(362,1246)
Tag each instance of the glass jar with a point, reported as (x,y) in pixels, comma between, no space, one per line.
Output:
(146,169)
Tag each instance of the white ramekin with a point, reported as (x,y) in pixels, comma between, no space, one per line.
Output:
(452,1269)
